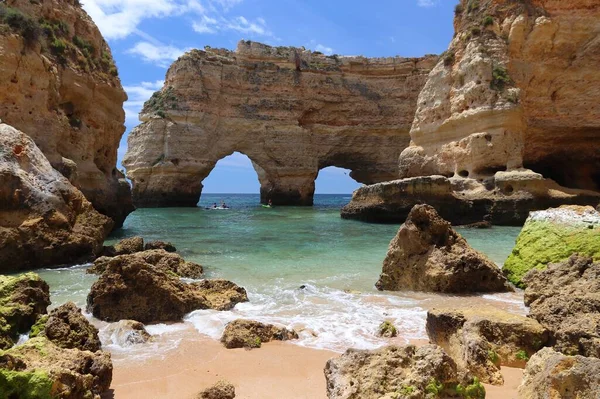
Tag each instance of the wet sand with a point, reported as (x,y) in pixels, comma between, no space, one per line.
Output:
(277,370)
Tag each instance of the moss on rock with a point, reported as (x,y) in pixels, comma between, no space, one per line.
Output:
(25,384)
(552,236)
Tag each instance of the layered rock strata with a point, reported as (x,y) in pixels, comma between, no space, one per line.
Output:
(291,111)
(565,298)
(44,220)
(516,89)
(552,236)
(136,290)
(428,255)
(252,334)
(59,84)
(484,339)
(551,374)
(393,372)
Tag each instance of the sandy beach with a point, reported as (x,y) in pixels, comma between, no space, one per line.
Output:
(275,371)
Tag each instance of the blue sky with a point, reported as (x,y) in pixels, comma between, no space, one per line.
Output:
(146,36)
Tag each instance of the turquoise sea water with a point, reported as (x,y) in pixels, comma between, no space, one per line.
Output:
(273,252)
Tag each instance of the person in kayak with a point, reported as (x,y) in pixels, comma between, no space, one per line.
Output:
(224,205)
(270,203)
(214,206)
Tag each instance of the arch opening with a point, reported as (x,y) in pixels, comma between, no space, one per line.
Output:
(335,180)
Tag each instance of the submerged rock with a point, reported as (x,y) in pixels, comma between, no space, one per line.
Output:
(167,246)
(45,221)
(565,298)
(428,255)
(127,333)
(67,328)
(137,290)
(483,339)
(162,260)
(251,334)
(23,300)
(393,372)
(551,374)
(41,369)
(221,390)
(552,236)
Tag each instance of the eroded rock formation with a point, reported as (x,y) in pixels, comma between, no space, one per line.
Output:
(59,85)
(291,111)
(551,236)
(484,339)
(428,255)
(44,220)
(516,90)
(221,390)
(126,333)
(565,298)
(252,334)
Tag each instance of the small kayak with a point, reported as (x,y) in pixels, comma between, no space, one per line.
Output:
(219,208)
(266,206)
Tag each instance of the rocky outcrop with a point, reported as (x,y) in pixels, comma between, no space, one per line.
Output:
(59,85)
(565,298)
(483,339)
(138,291)
(124,247)
(394,371)
(428,255)
(221,390)
(503,199)
(67,328)
(387,330)
(551,374)
(164,261)
(127,333)
(553,235)
(291,111)
(44,220)
(23,300)
(252,334)
(515,91)
(41,369)
(167,246)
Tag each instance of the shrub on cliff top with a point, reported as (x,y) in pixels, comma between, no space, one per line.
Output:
(21,23)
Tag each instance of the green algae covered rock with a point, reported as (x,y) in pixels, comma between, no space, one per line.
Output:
(23,300)
(552,236)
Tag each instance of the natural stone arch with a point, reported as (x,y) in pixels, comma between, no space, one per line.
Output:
(349,112)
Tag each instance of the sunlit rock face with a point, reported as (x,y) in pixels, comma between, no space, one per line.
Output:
(518,87)
(291,111)
(59,85)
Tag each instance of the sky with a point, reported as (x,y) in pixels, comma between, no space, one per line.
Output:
(146,36)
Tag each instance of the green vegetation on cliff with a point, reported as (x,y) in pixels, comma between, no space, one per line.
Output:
(543,241)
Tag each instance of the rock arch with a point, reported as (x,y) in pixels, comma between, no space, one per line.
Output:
(350,112)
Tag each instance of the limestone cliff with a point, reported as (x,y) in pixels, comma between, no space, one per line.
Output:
(291,111)
(516,91)
(59,85)
(44,220)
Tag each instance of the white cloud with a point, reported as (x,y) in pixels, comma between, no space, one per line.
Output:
(156,53)
(324,49)
(138,95)
(215,24)
(427,3)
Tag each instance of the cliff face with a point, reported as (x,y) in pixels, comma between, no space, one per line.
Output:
(508,119)
(59,84)
(291,111)
(518,87)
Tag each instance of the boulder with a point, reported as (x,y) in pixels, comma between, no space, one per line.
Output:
(127,333)
(67,328)
(550,374)
(397,372)
(551,236)
(23,300)
(483,339)
(167,246)
(124,247)
(41,369)
(387,330)
(221,390)
(565,298)
(44,221)
(428,255)
(162,260)
(251,334)
(138,291)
